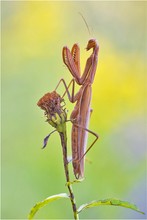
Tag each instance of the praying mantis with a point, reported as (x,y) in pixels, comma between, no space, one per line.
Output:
(81,114)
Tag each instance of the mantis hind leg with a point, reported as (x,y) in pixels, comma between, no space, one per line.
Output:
(78,152)
(91,132)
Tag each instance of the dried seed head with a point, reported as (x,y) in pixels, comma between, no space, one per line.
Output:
(51,104)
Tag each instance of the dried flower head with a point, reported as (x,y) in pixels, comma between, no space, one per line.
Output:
(51,103)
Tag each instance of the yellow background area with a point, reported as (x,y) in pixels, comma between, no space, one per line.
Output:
(33,35)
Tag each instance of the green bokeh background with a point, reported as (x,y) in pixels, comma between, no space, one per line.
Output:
(33,34)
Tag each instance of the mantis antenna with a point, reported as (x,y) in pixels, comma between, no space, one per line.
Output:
(85,22)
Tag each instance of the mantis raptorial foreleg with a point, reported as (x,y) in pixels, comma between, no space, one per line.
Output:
(70,63)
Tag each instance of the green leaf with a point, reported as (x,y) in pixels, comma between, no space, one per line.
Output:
(45,202)
(111,201)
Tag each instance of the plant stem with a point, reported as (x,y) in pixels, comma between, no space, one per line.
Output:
(72,198)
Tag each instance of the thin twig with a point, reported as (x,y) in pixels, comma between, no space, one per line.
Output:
(72,198)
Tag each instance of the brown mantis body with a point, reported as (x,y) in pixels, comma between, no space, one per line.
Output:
(81,113)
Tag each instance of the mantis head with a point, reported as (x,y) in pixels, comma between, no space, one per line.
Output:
(92,43)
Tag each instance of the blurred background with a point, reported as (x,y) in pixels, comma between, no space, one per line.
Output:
(33,34)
